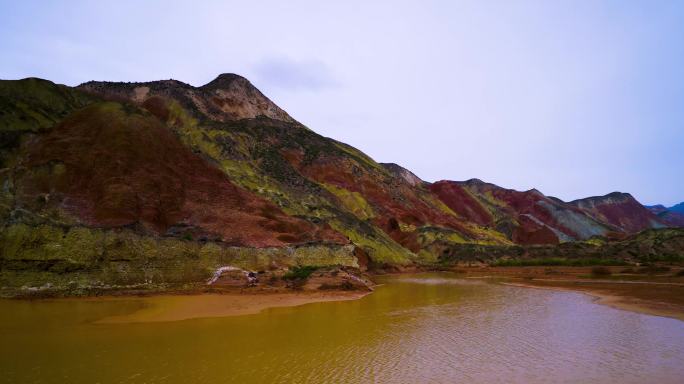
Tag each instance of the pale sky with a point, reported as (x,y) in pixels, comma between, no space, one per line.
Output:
(574,98)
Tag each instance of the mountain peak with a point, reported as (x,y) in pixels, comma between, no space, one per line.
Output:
(228,97)
(620,209)
(228,76)
(612,197)
(474,181)
(225,80)
(617,194)
(657,209)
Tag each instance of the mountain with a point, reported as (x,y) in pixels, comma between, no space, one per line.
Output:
(527,217)
(620,210)
(383,208)
(125,183)
(659,208)
(229,97)
(679,208)
(673,216)
(646,247)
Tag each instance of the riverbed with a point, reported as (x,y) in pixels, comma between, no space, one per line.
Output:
(424,328)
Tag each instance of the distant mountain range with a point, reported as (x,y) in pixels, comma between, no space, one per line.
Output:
(677,208)
(673,216)
(108,168)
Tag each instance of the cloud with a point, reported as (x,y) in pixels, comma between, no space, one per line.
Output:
(299,75)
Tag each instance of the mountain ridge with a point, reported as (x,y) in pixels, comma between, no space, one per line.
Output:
(227,97)
(673,216)
(677,208)
(230,97)
(220,167)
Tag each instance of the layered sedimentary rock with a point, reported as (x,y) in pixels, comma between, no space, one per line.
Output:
(163,181)
(620,210)
(525,217)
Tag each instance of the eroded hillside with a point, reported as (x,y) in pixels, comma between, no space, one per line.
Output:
(161,181)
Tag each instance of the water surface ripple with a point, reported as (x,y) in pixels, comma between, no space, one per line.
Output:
(430,328)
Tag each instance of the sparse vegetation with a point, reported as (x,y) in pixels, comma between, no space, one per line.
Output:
(300,273)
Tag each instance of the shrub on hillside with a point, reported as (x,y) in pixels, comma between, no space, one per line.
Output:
(299,273)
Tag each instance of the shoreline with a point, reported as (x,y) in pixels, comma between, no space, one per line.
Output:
(247,302)
(617,301)
(657,295)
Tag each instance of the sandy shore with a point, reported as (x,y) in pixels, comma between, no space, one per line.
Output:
(185,307)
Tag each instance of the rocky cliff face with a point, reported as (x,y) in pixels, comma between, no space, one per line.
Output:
(164,162)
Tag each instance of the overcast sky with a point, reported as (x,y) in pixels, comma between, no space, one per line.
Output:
(574,98)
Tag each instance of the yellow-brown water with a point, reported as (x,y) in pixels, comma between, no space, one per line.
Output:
(431,328)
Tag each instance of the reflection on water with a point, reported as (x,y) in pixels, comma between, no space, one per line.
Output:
(430,328)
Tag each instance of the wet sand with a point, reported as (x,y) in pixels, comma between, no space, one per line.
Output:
(185,307)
